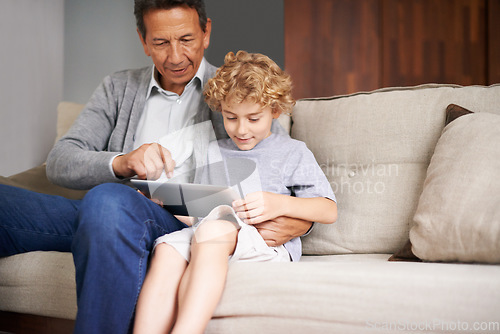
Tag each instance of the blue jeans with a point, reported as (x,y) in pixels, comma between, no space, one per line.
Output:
(110,233)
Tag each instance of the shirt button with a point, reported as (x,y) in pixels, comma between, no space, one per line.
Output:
(179,101)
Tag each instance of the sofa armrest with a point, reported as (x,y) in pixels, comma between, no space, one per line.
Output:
(35,179)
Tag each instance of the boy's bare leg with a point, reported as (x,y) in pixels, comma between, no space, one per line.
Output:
(203,282)
(157,304)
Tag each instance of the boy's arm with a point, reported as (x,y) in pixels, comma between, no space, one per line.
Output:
(262,206)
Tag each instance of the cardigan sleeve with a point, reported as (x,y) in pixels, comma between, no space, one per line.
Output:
(81,159)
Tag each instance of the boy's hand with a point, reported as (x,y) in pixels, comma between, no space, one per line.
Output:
(267,212)
(260,206)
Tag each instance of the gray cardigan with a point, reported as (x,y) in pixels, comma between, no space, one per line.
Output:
(106,127)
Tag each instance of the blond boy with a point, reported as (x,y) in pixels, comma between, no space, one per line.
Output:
(189,267)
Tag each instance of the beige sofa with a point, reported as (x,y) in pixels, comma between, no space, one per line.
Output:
(376,149)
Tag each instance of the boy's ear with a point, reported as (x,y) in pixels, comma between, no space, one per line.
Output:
(276,113)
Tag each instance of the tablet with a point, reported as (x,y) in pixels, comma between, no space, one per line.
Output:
(187,199)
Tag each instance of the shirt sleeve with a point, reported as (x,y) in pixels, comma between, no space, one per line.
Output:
(304,177)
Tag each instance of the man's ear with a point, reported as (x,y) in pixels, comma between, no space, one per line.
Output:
(206,34)
(144,45)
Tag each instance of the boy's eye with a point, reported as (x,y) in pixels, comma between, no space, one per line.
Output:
(254,119)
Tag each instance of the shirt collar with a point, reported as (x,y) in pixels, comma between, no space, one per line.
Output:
(198,77)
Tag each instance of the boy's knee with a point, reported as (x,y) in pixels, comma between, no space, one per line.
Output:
(215,230)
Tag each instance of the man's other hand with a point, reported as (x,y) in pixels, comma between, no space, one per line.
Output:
(280,230)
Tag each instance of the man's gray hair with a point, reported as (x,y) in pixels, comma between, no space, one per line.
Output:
(141,7)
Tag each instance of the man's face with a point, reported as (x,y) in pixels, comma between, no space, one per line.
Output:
(176,43)
(247,123)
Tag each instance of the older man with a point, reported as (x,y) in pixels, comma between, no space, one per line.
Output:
(111,231)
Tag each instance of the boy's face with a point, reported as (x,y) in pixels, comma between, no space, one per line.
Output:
(247,123)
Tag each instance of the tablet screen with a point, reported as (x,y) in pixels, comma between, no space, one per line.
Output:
(187,199)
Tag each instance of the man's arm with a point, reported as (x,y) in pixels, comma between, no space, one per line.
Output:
(83,157)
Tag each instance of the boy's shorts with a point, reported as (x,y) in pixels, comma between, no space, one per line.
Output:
(250,244)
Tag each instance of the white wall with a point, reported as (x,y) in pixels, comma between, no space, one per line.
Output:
(31,80)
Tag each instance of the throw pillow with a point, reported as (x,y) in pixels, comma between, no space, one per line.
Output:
(405,254)
(453,112)
(458,214)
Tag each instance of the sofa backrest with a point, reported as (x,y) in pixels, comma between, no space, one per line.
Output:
(375,148)
(67,112)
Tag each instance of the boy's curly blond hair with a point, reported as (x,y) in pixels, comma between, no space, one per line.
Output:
(250,77)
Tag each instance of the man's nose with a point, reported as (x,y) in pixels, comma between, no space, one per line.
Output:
(175,54)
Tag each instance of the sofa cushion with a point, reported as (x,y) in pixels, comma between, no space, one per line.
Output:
(356,293)
(40,283)
(458,216)
(453,112)
(355,296)
(375,149)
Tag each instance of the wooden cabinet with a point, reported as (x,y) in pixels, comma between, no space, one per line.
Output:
(344,46)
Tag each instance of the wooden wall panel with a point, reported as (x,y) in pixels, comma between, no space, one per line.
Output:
(493,41)
(344,46)
(332,46)
(433,41)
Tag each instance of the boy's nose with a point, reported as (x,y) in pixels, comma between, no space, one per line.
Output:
(242,129)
